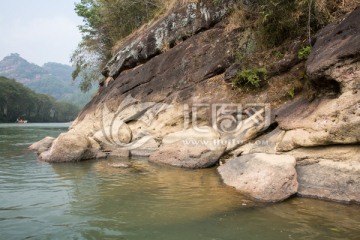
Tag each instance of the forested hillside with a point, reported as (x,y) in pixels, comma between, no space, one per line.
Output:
(17,101)
(53,79)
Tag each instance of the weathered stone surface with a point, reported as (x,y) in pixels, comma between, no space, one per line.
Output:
(252,126)
(330,172)
(264,177)
(159,121)
(146,149)
(116,134)
(69,147)
(193,156)
(42,145)
(334,67)
(206,136)
(331,180)
(264,144)
(185,21)
(191,148)
(338,153)
(334,45)
(164,72)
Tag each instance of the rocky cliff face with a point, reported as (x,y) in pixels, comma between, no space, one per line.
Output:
(167,96)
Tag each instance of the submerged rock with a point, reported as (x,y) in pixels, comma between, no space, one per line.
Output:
(119,165)
(264,177)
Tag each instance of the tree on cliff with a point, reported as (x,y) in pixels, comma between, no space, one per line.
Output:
(105,23)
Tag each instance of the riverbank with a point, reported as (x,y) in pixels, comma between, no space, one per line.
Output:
(169,94)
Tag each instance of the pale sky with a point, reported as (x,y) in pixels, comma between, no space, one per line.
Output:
(39,30)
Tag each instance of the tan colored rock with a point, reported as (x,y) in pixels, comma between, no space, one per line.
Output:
(206,136)
(334,67)
(118,133)
(42,145)
(331,180)
(251,127)
(190,148)
(264,144)
(68,147)
(264,177)
(180,154)
(160,120)
(337,153)
(146,149)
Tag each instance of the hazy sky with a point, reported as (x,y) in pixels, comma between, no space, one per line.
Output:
(39,30)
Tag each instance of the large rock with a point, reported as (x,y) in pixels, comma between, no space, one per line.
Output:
(180,154)
(69,147)
(206,136)
(146,149)
(335,43)
(42,145)
(331,180)
(264,177)
(186,20)
(190,148)
(334,69)
(258,118)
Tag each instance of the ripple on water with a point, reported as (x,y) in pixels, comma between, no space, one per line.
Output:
(91,200)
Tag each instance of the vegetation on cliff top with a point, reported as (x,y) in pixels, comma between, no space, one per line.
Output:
(272,24)
(105,23)
(277,26)
(19,101)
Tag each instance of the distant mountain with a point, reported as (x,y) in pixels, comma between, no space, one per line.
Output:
(53,79)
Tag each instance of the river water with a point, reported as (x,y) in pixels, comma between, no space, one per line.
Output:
(90,200)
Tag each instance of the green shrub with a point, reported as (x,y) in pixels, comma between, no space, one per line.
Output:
(304,53)
(218,2)
(291,92)
(250,77)
(282,20)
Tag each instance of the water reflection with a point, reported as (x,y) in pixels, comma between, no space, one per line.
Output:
(169,203)
(91,200)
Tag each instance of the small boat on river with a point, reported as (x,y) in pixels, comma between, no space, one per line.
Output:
(21,121)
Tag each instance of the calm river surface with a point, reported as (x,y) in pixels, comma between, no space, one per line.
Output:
(90,200)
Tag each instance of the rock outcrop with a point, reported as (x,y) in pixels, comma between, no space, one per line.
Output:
(170,80)
(334,68)
(69,147)
(190,149)
(264,177)
(331,180)
(42,145)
